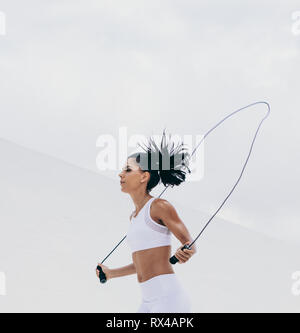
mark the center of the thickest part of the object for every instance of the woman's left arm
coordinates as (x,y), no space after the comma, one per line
(168,215)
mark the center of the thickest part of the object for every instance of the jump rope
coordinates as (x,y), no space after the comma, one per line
(173,260)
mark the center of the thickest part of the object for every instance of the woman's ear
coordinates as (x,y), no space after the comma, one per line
(145,177)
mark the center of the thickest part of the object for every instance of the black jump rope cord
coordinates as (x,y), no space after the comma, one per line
(173,259)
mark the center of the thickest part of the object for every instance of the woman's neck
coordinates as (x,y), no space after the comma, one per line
(140,201)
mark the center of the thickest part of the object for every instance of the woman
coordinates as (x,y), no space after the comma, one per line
(151,225)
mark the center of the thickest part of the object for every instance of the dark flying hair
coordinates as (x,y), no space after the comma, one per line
(165,164)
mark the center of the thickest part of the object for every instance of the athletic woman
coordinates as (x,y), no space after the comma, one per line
(151,226)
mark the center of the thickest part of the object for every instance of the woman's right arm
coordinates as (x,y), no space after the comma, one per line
(117,272)
(123,271)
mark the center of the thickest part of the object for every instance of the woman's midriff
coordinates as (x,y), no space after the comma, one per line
(152,262)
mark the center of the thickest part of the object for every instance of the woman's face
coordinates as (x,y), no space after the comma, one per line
(131,176)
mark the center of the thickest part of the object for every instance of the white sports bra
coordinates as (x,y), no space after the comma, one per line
(144,233)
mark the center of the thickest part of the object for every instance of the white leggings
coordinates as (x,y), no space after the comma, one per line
(164,293)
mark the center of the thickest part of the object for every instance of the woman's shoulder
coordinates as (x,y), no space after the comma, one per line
(159,205)
(159,201)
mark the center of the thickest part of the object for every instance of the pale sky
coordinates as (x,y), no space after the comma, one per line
(73,71)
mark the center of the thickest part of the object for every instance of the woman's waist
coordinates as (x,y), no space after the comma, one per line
(152,262)
(146,274)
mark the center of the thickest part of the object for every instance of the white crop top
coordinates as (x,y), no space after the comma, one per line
(144,233)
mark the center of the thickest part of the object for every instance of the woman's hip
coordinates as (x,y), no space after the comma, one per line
(164,293)
(160,285)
